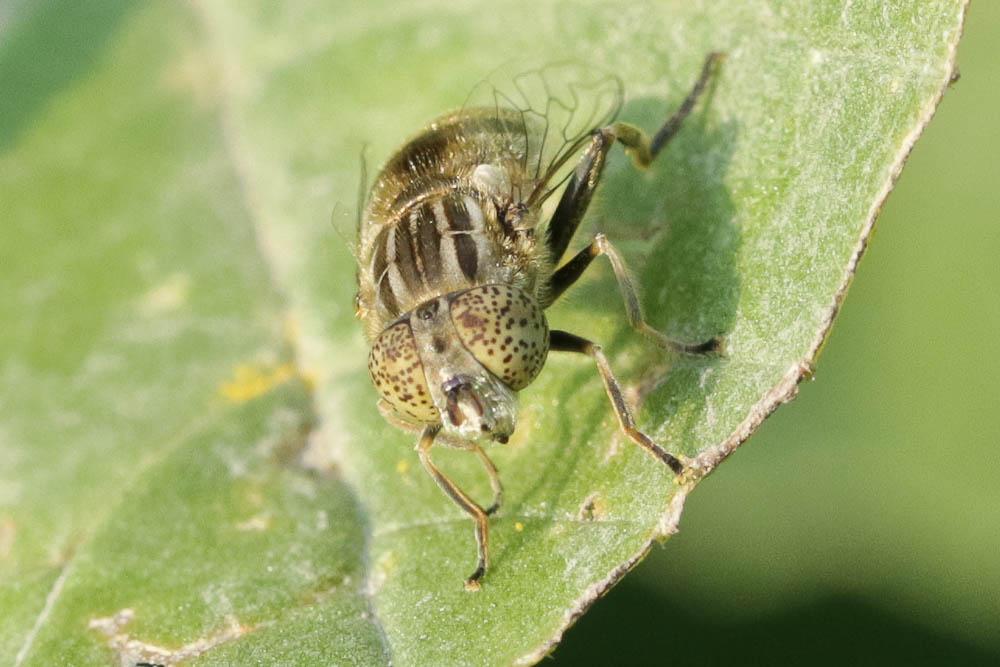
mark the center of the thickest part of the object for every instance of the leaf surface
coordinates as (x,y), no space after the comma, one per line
(192,463)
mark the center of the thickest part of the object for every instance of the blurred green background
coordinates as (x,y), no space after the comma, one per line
(861,524)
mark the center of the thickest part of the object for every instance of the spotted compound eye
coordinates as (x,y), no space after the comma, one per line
(398,374)
(505,330)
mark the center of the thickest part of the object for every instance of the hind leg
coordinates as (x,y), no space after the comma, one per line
(643,150)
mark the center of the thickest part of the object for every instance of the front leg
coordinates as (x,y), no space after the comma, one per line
(643,150)
(461,499)
(491,471)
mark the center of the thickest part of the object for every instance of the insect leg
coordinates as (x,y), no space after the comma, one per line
(462,500)
(574,268)
(494,475)
(643,150)
(669,129)
(579,191)
(566,342)
(491,471)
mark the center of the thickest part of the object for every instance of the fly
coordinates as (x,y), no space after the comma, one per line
(456,270)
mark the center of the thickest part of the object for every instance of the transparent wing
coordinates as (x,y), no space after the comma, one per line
(344,223)
(553,110)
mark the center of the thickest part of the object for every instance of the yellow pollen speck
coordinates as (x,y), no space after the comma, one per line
(251,381)
(402,466)
(518,526)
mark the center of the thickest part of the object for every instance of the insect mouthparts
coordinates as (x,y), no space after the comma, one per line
(478,406)
(463,403)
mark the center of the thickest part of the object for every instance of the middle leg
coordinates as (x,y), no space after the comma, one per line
(574,268)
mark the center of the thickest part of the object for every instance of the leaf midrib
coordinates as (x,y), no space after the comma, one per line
(241,164)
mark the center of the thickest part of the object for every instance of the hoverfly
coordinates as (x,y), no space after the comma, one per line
(456,269)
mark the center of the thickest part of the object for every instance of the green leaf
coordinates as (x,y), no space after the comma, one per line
(192,463)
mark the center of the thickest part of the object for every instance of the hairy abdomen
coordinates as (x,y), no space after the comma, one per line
(438,244)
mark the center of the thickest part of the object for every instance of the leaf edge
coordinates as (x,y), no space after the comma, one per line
(782,392)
